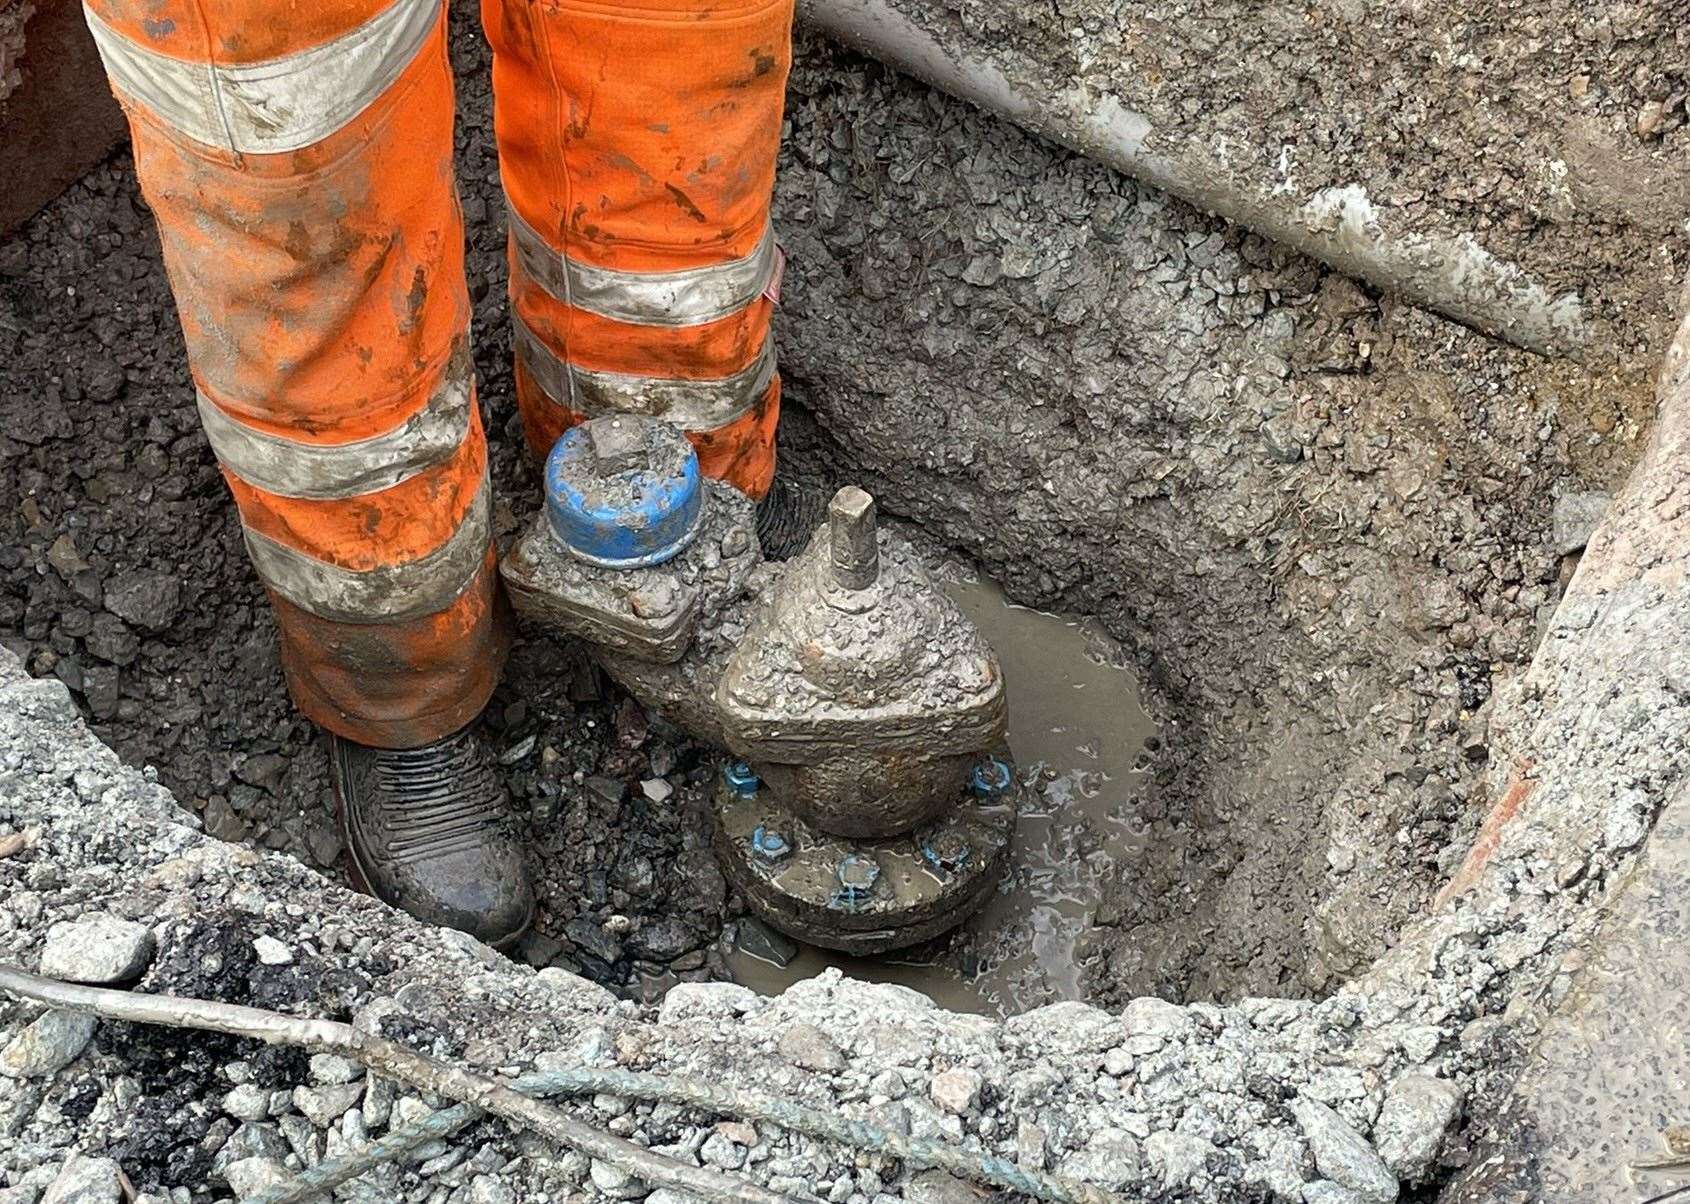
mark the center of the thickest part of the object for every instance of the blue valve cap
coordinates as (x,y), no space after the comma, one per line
(624,491)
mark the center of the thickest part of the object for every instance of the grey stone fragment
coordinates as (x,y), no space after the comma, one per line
(251,1140)
(1575,519)
(1418,1110)
(302,1138)
(662,939)
(956,1091)
(937,1187)
(1110,1158)
(85,1181)
(690,999)
(718,1151)
(485,1189)
(323,1106)
(1343,1155)
(250,1176)
(616,1184)
(379,1094)
(47,1045)
(1177,1157)
(247,1102)
(97,949)
(150,600)
(1324,1191)
(331,1069)
(760,941)
(272,952)
(807,1047)
(1031,1145)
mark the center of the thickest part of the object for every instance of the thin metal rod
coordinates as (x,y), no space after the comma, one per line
(396,1062)
(706,1097)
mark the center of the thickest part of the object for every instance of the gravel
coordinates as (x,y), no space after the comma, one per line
(97,949)
(85,1181)
(956,1091)
(1110,1158)
(1575,519)
(323,1106)
(1417,1114)
(252,1175)
(1343,1155)
(248,1102)
(47,1045)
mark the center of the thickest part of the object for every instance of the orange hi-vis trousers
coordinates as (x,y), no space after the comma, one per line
(297,155)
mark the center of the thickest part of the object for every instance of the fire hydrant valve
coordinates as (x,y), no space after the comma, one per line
(624,492)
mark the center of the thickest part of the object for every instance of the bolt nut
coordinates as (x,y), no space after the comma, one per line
(991,778)
(769,846)
(858,872)
(741,778)
(947,852)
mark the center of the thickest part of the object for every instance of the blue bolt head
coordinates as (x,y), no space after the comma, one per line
(741,778)
(857,872)
(769,846)
(991,778)
(947,853)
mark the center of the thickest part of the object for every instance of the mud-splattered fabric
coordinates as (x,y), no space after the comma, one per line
(637,147)
(298,159)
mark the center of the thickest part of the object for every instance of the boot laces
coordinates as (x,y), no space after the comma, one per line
(440,798)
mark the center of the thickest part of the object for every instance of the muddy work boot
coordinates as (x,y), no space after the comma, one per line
(787,516)
(429,830)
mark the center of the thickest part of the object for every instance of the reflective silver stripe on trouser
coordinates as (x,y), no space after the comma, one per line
(290,468)
(279,104)
(688,297)
(390,593)
(693,405)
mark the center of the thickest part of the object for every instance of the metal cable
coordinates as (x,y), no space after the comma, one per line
(707,1097)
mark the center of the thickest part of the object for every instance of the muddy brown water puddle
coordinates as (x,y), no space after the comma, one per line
(1076,720)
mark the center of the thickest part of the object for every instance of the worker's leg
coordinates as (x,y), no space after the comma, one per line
(637,145)
(298,159)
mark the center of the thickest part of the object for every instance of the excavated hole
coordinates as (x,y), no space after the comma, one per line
(1297,506)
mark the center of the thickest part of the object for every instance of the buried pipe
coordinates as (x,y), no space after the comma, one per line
(1451,274)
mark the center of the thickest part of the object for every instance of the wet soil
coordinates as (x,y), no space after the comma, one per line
(1316,520)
